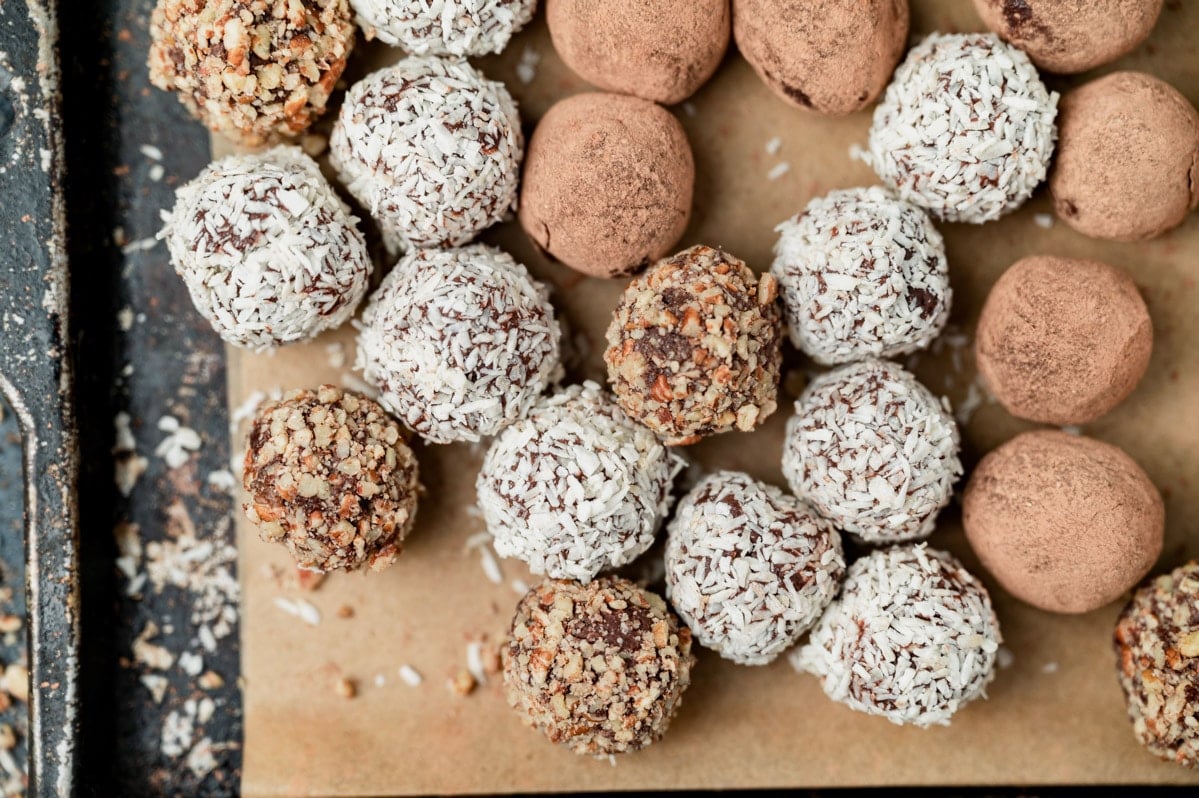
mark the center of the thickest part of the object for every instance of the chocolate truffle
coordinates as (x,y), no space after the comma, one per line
(575,487)
(432,148)
(873,451)
(694,346)
(444,27)
(830,56)
(1157,648)
(748,567)
(328,475)
(658,50)
(1061,340)
(1064,523)
(608,183)
(965,129)
(600,668)
(912,637)
(254,70)
(863,274)
(1127,165)
(1071,37)
(268,251)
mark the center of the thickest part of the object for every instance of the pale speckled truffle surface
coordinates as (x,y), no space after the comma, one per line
(444,27)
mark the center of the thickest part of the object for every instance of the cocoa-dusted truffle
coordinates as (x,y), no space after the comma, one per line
(965,129)
(269,252)
(1071,37)
(912,637)
(328,475)
(1063,522)
(748,567)
(254,70)
(658,50)
(608,183)
(444,27)
(1061,340)
(873,451)
(830,56)
(1127,166)
(599,668)
(461,342)
(575,487)
(694,346)
(432,148)
(863,274)
(1157,650)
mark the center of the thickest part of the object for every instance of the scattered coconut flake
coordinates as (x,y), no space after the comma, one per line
(1072,429)
(474,661)
(156,173)
(774,146)
(410,676)
(300,608)
(520,586)
(526,68)
(1043,220)
(139,245)
(151,152)
(1004,657)
(179,444)
(222,479)
(778,170)
(128,465)
(149,654)
(191,663)
(491,566)
(1049,667)
(380,680)
(336,351)
(156,684)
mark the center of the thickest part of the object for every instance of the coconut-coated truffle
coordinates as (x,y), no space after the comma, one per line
(1063,522)
(268,251)
(254,70)
(461,342)
(658,50)
(1063,340)
(431,148)
(694,346)
(966,128)
(748,567)
(1127,165)
(328,474)
(830,56)
(862,274)
(599,668)
(444,27)
(913,637)
(607,184)
(1071,37)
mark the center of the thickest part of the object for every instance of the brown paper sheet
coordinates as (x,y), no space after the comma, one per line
(1055,714)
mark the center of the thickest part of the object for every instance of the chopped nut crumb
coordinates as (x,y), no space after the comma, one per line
(462,683)
(8,738)
(346,688)
(210,680)
(345,611)
(16,682)
(308,579)
(10,623)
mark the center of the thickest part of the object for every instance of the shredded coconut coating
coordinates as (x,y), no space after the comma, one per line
(1157,647)
(863,274)
(461,342)
(873,451)
(269,252)
(328,475)
(748,567)
(432,148)
(694,346)
(575,487)
(912,637)
(966,128)
(444,27)
(599,668)
(254,70)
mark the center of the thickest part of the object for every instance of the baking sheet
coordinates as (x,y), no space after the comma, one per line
(1055,713)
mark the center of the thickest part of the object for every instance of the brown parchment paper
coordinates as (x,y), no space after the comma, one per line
(1055,714)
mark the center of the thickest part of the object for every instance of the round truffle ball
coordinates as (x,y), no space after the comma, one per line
(658,50)
(432,148)
(608,184)
(694,348)
(1061,340)
(873,451)
(600,668)
(268,251)
(1071,37)
(863,274)
(748,567)
(966,128)
(1127,165)
(254,71)
(328,475)
(830,56)
(1064,523)
(912,637)
(435,27)
(575,487)
(1157,649)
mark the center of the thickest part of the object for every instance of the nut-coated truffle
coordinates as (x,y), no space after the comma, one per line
(1063,522)
(444,27)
